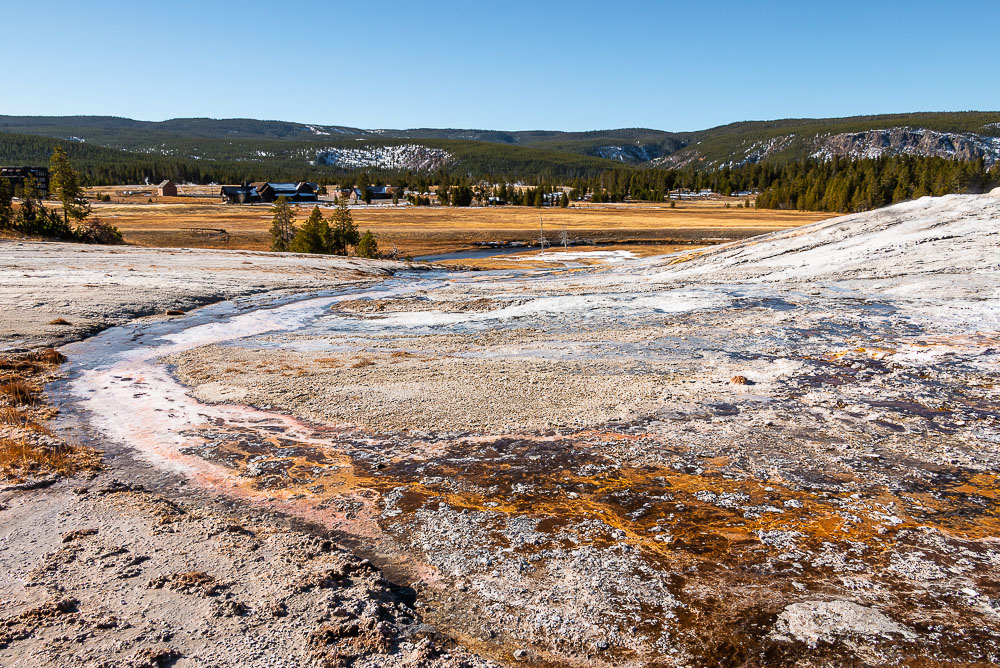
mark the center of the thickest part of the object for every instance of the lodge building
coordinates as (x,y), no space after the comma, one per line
(17,175)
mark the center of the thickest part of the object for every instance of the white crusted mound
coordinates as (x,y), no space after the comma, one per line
(940,236)
(814,621)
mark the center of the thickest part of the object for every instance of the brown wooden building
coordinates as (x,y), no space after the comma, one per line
(166,188)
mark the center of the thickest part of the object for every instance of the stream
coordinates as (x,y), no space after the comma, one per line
(115,392)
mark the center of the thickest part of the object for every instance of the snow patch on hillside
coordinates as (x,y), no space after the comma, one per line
(909,141)
(630,153)
(679,160)
(403,156)
(762,150)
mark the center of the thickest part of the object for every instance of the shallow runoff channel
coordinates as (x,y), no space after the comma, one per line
(117,394)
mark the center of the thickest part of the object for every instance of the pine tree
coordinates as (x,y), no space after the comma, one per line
(461,196)
(344,232)
(539,199)
(314,235)
(367,246)
(6,208)
(64,184)
(564,200)
(33,218)
(282,229)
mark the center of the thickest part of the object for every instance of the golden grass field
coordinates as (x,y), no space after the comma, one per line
(197,221)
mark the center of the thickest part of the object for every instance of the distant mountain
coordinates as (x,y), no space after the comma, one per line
(956,135)
(173,137)
(261,148)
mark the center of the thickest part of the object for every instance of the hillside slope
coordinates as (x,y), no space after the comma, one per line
(958,135)
(265,149)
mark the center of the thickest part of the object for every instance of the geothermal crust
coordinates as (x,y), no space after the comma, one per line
(781,451)
(779,444)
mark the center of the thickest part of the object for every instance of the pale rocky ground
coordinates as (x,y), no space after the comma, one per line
(125,567)
(565,466)
(102,572)
(93,287)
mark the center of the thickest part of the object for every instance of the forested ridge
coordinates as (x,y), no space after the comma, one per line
(259,160)
(719,145)
(481,151)
(195,151)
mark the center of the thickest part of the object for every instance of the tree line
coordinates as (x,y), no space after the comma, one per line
(839,185)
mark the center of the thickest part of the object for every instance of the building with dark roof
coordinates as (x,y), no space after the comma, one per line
(17,175)
(294,192)
(381,192)
(245,194)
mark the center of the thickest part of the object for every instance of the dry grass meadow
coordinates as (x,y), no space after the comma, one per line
(203,222)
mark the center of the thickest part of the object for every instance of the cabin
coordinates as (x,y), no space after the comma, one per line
(244,194)
(350,195)
(166,188)
(381,192)
(294,192)
(17,175)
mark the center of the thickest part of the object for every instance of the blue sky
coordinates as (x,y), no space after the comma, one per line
(513,65)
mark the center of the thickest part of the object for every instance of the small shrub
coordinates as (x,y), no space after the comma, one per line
(60,321)
(21,457)
(18,392)
(367,246)
(50,356)
(96,231)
